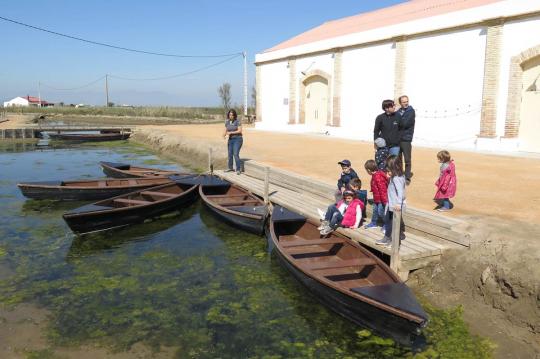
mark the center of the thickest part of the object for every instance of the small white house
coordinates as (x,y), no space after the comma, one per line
(471,69)
(26,102)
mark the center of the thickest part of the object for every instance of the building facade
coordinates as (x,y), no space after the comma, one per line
(27,101)
(471,69)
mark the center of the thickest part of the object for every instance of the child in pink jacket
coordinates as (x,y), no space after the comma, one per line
(447,182)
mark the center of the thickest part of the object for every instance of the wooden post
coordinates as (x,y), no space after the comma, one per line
(266,184)
(23,133)
(3,134)
(396,231)
(210,162)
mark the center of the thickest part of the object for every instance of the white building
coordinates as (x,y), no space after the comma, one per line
(471,69)
(26,101)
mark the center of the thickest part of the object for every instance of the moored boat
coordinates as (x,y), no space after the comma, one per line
(87,190)
(236,206)
(93,137)
(347,277)
(124,170)
(129,208)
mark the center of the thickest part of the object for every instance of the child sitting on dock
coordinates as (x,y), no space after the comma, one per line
(346,213)
(355,185)
(381,153)
(379,188)
(396,199)
(447,182)
(347,174)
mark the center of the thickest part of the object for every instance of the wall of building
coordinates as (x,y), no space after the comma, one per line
(275,94)
(17,101)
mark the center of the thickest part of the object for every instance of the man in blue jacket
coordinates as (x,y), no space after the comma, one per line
(406,126)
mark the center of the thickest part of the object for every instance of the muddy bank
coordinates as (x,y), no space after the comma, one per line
(124,120)
(497,281)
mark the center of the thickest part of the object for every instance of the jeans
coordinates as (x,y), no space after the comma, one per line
(378,213)
(333,216)
(406,151)
(388,224)
(234,145)
(393,151)
(445,203)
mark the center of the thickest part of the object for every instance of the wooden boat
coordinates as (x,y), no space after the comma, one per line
(90,136)
(129,208)
(87,190)
(237,206)
(347,277)
(124,170)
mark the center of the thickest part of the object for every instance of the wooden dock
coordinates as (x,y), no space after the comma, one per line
(428,235)
(35,131)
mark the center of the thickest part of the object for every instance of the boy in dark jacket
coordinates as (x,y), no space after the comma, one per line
(387,127)
(347,174)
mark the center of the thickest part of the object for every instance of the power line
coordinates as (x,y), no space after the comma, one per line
(73,88)
(177,75)
(113,46)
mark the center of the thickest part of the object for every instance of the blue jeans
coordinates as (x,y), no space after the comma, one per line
(378,213)
(234,145)
(393,151)
(388,225)
(333,216)
(445,203)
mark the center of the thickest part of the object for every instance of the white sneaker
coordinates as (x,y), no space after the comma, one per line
(321,213)
(326,231)
(384,241)
(323,225)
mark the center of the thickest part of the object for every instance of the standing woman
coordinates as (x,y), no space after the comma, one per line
(233,129)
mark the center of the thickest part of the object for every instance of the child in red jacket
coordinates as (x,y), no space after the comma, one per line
(447,182)
(379,187)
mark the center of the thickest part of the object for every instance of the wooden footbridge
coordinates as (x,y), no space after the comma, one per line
(428,235)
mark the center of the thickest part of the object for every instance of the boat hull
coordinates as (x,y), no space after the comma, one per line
(104,219)
(90,137)
(253,225)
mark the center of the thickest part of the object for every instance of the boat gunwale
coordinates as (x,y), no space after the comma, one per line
(64,187)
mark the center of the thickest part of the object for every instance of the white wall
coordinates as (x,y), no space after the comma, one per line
(367,80)
(17,101)
(518,36)
(444,82)
(275,88)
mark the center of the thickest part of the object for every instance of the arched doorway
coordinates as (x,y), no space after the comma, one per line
(529,126)
(316,103)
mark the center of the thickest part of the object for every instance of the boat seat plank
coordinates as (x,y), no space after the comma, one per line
(102,183)
(130,201)
(236,203)
(226,195)
(132,182)
(161,194)
(311,242)
(338,264)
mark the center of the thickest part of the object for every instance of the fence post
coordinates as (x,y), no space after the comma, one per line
(266,185)
(396,231)
(210,162)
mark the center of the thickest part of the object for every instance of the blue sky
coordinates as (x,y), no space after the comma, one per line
(180,27)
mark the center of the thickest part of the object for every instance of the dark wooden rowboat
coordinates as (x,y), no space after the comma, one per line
(87,190)
(90,136)
(129,208)
(347,278)
(124,170)
(237,206)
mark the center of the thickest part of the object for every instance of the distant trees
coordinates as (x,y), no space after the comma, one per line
(224,92)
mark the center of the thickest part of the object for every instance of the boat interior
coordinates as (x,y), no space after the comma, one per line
(125,182)
(231,196)
(332,258)
(151,195)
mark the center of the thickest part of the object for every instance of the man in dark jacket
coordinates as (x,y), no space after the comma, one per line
(406,126)
(387,127)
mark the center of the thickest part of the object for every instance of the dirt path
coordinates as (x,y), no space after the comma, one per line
(488,185)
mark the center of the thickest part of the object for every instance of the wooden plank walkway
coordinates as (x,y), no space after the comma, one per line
(426,233)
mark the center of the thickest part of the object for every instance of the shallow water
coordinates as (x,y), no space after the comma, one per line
(186,281)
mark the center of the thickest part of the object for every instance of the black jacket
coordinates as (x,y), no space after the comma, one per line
(406,124)
(345,178)
(387,127)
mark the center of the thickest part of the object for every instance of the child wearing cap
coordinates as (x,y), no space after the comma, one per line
(381,153)
(347,174)
(346,213)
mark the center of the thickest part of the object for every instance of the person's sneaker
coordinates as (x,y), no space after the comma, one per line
(238,172)
(408,181)
(323,225)
(443,209)
(437,208)
(229,170)
(326,231)
(370,225)
(384,241)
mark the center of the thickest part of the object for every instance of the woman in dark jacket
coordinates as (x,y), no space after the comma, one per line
(233,129)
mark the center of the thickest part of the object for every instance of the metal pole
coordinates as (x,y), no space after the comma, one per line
(107,90)
(396,232)
(245,84)
(39,93)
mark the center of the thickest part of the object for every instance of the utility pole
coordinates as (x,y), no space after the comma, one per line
(107,90)
(245,85)
(39,93)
